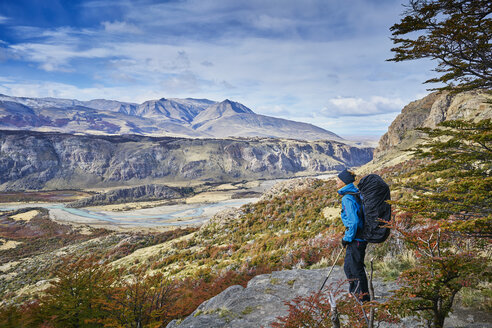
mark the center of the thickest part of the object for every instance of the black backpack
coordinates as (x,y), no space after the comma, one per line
(374,193)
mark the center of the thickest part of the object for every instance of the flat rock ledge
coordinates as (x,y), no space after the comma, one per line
(263,300)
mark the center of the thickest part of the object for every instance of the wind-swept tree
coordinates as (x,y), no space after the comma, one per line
(456,33)
(446,221)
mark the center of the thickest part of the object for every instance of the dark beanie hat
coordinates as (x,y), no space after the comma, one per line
(346,176)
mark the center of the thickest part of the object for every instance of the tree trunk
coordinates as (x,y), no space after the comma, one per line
(438,321)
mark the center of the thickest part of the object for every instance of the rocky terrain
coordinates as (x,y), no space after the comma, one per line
(263,300)
(162,117)
(429,112)
(35,160)
(233,239)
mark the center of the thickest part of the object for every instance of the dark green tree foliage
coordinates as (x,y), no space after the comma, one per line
(456,33)
(457,184)
(446,219)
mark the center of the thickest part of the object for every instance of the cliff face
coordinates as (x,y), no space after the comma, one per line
(35,160)
(430,111)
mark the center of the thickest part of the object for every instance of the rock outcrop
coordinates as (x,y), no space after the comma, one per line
(134,194)
(429,112)
(263,300)
(35,160)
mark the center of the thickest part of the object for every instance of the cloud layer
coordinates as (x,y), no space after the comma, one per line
(317,61)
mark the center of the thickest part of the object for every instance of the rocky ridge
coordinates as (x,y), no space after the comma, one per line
(34,160)
(429,112)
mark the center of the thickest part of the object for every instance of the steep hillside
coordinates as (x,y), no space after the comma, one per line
(34,160)
(182,111)
(221,110)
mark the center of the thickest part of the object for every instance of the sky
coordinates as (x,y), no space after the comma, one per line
(316,61)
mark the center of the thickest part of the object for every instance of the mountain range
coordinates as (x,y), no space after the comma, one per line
(196,118)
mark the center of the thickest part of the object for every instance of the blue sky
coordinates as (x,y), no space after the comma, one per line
(316,61)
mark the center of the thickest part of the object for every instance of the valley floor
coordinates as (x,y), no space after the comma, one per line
(159,215)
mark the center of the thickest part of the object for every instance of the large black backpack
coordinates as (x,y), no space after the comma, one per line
(374,193)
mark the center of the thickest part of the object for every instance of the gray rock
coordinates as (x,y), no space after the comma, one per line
(263,300)
(430,111)
(126,195)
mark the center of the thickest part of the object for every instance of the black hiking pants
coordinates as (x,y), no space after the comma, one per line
(354,269)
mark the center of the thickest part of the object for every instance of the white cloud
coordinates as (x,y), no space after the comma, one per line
(121,27)
(275,110)
(186,82)
(375,125)
(315,61)
(3,19)
(15,87)
(227,85)
(56,57)
(267,22)
(4,79)
(355,106)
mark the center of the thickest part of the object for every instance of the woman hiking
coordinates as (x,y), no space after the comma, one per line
(355,246)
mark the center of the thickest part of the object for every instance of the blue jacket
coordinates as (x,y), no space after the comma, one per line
(350,207)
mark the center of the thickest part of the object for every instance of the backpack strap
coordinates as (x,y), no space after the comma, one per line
(356,196)
(360,212)
(358,199)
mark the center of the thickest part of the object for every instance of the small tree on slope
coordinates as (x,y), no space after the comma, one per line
(446,221)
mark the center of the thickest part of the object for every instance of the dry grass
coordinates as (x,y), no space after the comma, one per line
(210,197)
(143,254)
(130,206)
(8,244)
(331,213)
(9,265)
(26,216)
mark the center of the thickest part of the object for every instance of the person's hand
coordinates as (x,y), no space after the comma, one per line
(345,243)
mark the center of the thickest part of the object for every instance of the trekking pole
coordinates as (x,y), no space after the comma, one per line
(333,266)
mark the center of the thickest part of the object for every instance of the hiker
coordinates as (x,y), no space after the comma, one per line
(354,244)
